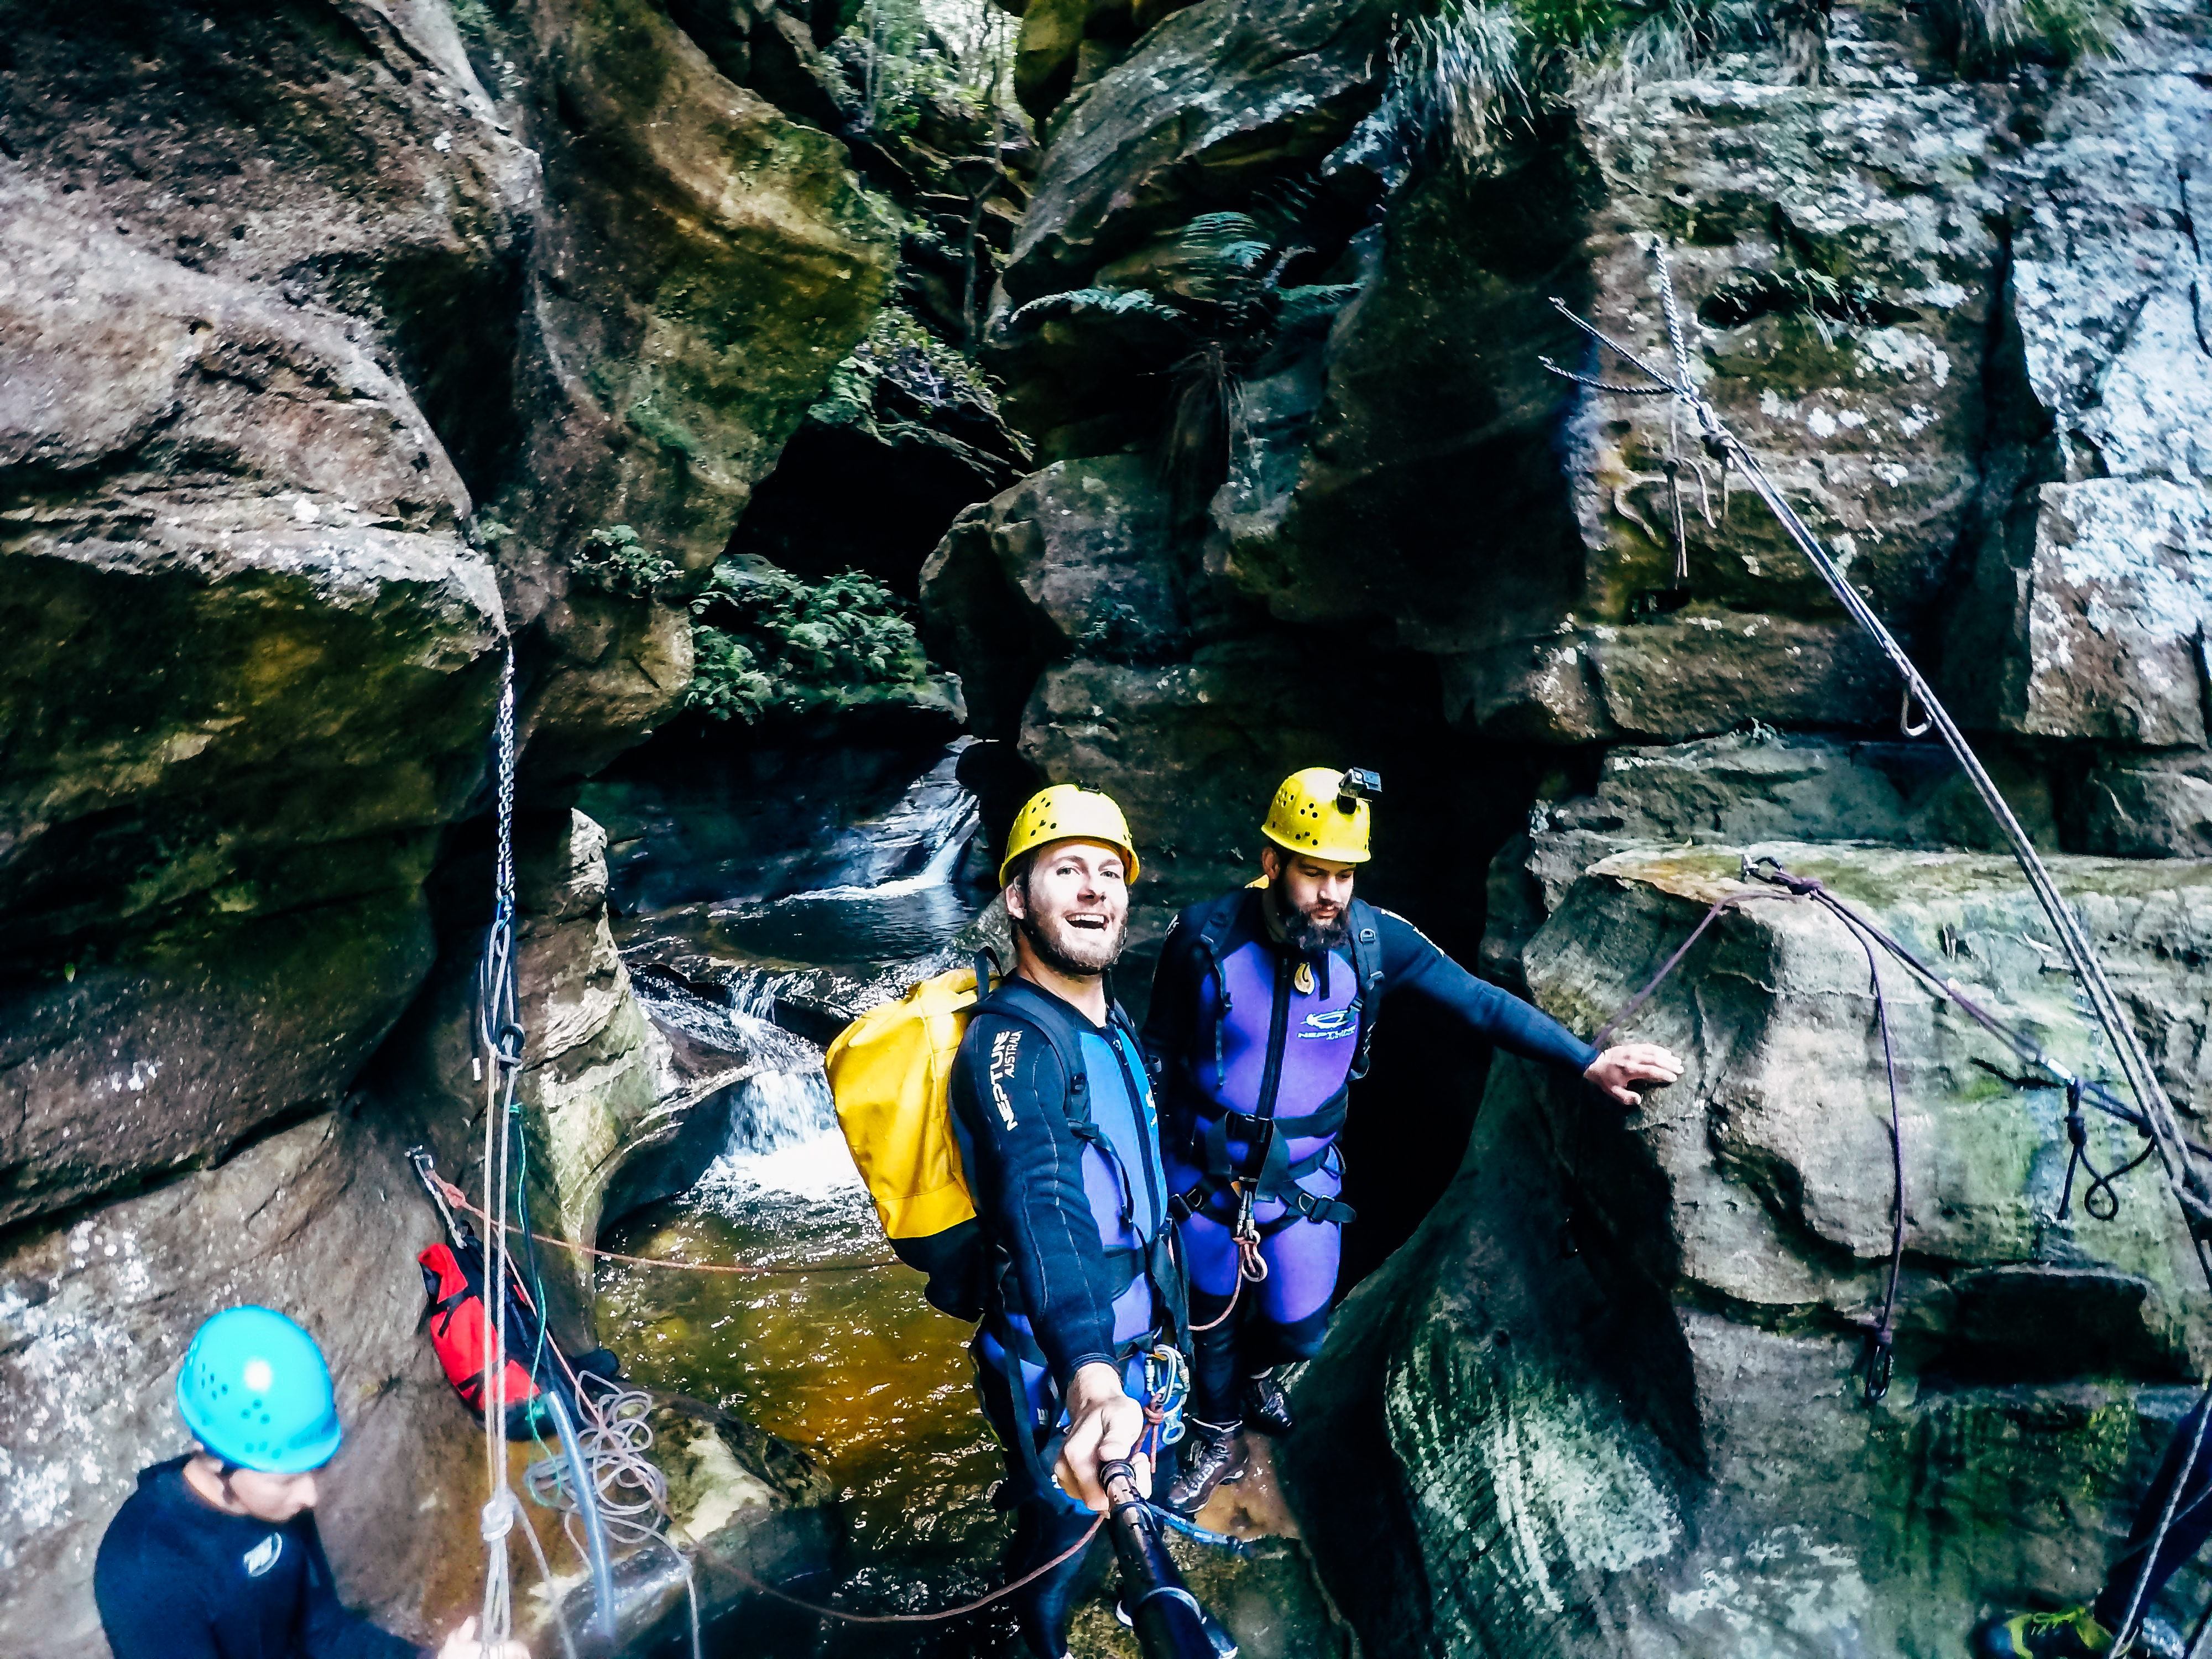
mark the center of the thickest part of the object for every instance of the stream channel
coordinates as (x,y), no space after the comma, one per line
(852,1363)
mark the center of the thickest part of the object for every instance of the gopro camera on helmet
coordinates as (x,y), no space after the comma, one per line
(1359,784)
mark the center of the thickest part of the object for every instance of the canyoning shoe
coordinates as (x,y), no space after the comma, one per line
(1267,1407)
(1212,1455)
(2072,1634)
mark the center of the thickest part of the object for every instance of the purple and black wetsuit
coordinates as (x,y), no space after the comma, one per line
(1258,1045)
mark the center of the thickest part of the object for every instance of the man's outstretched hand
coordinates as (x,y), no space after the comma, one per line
(1103,1424)
(463,1645)
(1627,1063)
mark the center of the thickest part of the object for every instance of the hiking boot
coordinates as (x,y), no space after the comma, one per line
(2072,1634)
(1267,1407)
(1212,1455)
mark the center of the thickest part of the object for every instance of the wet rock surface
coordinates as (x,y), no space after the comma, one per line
(327,334)
(1619,1370)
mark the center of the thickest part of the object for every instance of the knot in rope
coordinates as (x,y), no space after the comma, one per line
(1769,869)
(499,1516)
(2100,1198)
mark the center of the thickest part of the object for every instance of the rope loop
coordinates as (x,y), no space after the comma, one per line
(498,1516)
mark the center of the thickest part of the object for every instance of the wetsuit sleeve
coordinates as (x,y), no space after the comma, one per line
(1411,962)
(331,1632)
(1171,1022)
(1026,1176)
(149,1606)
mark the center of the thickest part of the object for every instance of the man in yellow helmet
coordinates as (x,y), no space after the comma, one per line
(1263,1006)
(1054,1110)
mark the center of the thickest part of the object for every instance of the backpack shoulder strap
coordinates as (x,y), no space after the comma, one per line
(1016,999)
(1211,920)
(1366,932)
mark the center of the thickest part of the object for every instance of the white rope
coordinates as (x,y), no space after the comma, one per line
(2190,1190)
(630,1490)
(495,1624)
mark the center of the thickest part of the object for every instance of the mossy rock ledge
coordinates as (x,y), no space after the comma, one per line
(1615,1382)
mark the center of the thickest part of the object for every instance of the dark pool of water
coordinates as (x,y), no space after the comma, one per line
(848,925)
(855,1365)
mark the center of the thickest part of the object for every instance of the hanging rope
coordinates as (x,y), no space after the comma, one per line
(503,1037)
(2187,1182)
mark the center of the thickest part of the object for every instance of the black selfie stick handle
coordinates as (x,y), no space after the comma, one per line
(1170,1623)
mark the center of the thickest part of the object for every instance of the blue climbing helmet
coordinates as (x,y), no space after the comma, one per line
(256,1392)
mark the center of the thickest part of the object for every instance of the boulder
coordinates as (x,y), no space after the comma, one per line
(253,666)
(2100,633)
(1759,784)
(1216,98)
(320,1220)
(1616,1377)
(1081,557)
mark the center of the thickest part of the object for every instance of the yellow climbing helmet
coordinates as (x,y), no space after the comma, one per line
(1324,814)
(1069,811)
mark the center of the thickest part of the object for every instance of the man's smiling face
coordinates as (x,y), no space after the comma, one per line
(1073,905)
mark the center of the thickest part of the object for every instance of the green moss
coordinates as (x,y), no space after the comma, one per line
(663,428)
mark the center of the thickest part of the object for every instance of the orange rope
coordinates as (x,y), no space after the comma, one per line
(1251,1268)
(459,1199)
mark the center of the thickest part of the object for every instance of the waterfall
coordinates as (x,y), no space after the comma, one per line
(776,1110)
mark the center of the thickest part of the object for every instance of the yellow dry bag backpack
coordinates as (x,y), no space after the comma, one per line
(891,1073)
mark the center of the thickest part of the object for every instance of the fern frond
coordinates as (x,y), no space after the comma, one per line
(1102,302)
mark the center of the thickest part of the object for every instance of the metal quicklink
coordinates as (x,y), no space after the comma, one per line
(2188,1183)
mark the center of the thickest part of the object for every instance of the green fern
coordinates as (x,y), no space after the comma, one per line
(765,642)
(1103,301)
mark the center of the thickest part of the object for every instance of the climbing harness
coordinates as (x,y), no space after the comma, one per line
(2188,1183)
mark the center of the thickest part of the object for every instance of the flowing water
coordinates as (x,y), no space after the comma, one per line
(835,1352)
(850,1361)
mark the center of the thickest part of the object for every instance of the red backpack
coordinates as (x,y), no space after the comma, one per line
(460,1320)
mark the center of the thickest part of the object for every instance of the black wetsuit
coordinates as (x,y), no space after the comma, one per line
(2187,1530)
(1061,1143)
(177,1578)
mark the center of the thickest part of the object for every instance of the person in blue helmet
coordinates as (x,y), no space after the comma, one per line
(1053,1110)
(1263,1005)
(215,1556)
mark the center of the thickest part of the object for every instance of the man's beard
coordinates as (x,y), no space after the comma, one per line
(1312,938)
(1078,952)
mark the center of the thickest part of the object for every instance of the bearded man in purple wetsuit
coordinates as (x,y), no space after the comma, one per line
(1262,1010)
